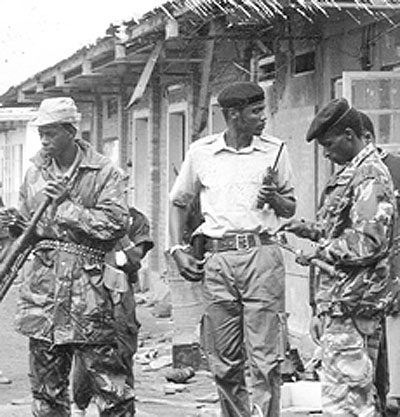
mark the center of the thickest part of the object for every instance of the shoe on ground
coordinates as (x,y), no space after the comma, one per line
(179,375)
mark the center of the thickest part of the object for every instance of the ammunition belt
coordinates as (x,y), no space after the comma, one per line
(71,247)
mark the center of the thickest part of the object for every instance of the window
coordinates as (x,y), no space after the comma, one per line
(304,63)
(377,93)
(266,68)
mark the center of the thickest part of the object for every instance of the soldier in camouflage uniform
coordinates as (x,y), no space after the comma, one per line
(353,232)
(65,305)
(129,252)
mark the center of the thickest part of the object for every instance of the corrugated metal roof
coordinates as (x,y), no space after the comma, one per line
(246,10)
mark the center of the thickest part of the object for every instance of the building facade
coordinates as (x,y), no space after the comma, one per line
(148,89)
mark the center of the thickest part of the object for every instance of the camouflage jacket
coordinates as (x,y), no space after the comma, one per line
(355,230)
(139,229)
(138,235)
(64,295)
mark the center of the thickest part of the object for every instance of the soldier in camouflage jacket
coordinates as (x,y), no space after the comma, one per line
(65,305)
(353,231)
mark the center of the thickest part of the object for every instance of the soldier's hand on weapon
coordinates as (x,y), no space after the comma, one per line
(267,194)
(304,259)
(300,228)
(56,189)
(284,206)
(189,267)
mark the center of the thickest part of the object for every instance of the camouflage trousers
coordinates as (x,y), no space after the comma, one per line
(348,370)
(127,328)
(50,367)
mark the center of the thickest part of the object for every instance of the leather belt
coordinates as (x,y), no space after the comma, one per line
(71,247)
(240,241)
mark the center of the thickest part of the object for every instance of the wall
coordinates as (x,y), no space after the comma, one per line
(19,141)
(11,163)
(291,108)
(292,103)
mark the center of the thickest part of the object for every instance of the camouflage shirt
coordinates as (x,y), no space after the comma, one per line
(64,297)
(354,228)
(138,235)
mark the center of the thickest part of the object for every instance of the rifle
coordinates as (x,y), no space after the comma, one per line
(22,246)
(19,251)
(324,266)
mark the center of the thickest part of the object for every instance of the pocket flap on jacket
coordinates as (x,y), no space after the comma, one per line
(114,279)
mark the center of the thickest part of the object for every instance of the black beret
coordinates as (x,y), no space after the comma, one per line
(240,94)
(337,111)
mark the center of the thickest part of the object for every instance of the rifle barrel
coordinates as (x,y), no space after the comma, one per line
(17,248)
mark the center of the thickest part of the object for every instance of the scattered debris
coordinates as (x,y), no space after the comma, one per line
(208,399)
(145,356)
(292,367)
(4,379)
(160,362)
(171,388)
(311,368)
(179,375)
(178,403)
(22,401)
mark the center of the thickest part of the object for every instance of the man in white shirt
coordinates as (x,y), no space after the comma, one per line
(244,182)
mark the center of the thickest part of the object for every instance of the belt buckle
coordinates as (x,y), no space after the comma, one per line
(242,242)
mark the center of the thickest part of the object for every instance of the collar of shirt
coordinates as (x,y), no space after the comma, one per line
(359,158)
(347,172)
(257,144)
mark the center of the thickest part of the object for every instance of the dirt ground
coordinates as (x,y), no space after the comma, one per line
(13,352)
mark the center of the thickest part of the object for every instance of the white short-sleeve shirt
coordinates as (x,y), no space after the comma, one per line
(228,181)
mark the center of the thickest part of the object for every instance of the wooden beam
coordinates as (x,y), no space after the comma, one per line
(120,51)
(201,114)
(86,67)
(59,79)
(145,76)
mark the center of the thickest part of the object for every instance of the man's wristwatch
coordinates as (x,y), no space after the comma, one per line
(174,248)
